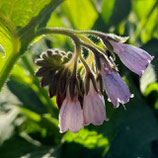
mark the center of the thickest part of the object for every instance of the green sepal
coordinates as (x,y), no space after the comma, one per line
(54,83)
(107,44)
(72,86)
(64,81)
(97,61)
(89,77)
(45,80)
(41,71)
(115,38)
(100,81)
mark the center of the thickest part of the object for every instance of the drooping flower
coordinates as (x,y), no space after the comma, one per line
(116,89)
(136,59)
(94,107)
(71,114)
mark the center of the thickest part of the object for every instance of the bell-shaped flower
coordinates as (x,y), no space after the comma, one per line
(94,107)
(116,89)
(136,59)
(71,114)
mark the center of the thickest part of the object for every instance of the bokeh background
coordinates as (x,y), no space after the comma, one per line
(29,118)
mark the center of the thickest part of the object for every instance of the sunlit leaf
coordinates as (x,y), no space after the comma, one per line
(26,148)
(76,10)
(146,18)
(138,8)
(20,12)
(89,139)
(26,95)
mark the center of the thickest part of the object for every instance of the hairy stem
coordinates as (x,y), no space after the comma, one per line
(69,33)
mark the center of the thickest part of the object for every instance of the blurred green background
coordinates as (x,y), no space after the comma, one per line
(29,118)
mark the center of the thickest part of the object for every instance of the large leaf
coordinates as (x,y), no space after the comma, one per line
(19,21)
(20,12)
(146,18)
(89,139)
(138,8)
(26,95)
(81,13)
(23,147)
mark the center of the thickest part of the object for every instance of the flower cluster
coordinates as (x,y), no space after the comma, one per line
(80,83)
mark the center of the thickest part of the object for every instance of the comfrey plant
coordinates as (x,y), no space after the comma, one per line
(80,82)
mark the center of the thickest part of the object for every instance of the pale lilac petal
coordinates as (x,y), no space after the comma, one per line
(136,59)
(71,115)
(64,117)
(115,87)
(94,108)
(76,117)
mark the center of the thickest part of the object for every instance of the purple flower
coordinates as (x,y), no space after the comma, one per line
(71,115)
(115,87)
(94,107)
(134,58)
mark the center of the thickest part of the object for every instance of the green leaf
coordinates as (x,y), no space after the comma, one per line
(140,11)
(81,13)
(20,12)
(6,34)
(89,139)
(150,27)
(15,14)
(24,147)
(146,18)
(10,44)
(28,32)
(26,95)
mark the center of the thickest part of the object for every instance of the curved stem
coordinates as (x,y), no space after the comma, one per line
(69,33)
(85,64)
(62,31)
(55,30)
(90,32)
